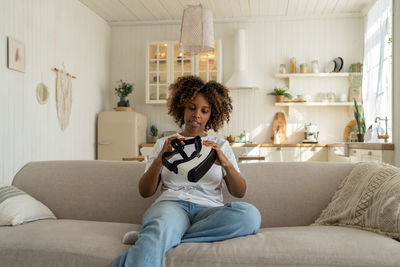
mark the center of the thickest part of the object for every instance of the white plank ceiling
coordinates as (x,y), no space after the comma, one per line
(142,11)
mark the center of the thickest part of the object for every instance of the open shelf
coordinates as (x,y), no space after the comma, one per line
(304,75)
(334,104)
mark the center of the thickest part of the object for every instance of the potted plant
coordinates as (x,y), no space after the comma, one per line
(280,94)
(359,116)
(154,133)
(122,91)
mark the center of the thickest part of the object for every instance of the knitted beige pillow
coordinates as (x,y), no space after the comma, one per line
(369,199)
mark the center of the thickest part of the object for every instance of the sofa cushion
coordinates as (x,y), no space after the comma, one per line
(369,199)
(294,246)
(17,207)
(63,243)
(87,243)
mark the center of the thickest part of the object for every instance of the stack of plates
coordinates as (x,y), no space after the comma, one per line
(335,65)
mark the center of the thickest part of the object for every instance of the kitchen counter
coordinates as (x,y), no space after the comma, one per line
(355,145)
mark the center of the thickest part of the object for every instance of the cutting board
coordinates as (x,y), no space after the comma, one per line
(279,127)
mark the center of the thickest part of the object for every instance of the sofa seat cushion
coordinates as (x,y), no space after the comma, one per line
(63,243)
(300,246)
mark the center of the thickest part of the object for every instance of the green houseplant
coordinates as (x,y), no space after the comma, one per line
(154,132)
(280,93)
(122,90)
(359,116)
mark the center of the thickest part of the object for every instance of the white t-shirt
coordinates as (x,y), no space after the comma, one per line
(207,191)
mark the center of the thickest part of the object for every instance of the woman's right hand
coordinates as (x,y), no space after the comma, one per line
(167,147)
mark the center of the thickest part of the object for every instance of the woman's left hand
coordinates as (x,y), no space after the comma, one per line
(221,158)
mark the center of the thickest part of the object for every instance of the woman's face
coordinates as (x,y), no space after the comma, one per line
(197,113)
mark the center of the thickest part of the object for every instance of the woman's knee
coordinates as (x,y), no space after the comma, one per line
(165,216)
(249,216)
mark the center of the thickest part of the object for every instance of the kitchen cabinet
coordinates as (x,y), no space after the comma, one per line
(319,89)
(281,154)
(165,63)
(314,154)
(337,154)
(365,155)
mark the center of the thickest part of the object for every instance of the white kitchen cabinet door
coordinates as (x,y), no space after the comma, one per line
(281,154)
(364,155)
(157,72)
(337,154)
(165,63)
(314,154)
(370,155)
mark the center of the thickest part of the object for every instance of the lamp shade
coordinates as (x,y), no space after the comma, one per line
(197,30)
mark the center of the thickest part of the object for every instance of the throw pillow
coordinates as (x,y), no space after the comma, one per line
(17,207)
(368,198)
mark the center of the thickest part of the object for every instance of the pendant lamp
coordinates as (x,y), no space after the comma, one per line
(197,30)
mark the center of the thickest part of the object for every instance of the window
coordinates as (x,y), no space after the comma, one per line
(377,70)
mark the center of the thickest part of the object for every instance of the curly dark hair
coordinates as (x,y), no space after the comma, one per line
(186,88)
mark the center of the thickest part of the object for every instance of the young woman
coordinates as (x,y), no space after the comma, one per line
(186,211)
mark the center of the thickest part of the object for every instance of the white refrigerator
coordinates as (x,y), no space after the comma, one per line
(119,134)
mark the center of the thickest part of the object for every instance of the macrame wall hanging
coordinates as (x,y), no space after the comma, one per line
(63,96)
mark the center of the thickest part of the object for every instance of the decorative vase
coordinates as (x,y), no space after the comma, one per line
(360,138)
(279,98)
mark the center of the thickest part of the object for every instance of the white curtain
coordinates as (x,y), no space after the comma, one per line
(377,69)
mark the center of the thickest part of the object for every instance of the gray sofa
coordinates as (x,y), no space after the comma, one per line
(97,202)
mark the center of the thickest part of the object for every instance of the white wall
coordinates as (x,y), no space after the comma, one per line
(269,44)
(54,32)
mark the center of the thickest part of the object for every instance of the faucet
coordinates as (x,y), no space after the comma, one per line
(386,136)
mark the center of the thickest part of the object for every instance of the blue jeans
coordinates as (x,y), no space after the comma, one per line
(170,222)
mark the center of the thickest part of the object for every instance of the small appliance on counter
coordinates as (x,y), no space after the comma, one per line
(310,133)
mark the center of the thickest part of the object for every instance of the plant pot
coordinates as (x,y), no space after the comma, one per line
(122,102)
(154,139)
(279,98)
(360,138)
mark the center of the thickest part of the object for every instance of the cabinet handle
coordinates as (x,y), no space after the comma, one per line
(103,143)
(313,149)
(278,149)
(354,151)
(369,153)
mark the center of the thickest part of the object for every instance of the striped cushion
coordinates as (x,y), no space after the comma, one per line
(17,207)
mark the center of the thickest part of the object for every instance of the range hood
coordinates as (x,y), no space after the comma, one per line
(240,78)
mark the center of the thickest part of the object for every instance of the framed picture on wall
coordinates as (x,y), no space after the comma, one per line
(15,55)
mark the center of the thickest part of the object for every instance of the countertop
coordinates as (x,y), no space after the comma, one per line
(354,145)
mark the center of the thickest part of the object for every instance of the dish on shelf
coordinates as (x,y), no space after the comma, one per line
(338,64)
(330,67)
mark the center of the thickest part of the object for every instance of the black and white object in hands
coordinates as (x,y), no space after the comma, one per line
(194,166)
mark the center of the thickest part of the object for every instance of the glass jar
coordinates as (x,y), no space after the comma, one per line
(315,67)
(303,68)
(282,68)
(293,65)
